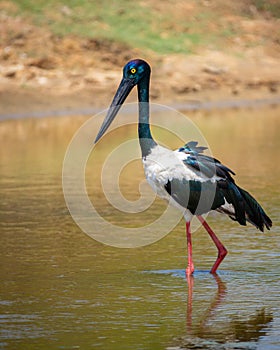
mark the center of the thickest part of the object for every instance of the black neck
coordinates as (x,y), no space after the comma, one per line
(144,132)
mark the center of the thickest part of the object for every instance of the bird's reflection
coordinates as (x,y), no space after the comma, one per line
(233,328)
(221,292)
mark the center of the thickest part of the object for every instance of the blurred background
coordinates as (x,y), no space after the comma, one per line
(218,62)
(72,51)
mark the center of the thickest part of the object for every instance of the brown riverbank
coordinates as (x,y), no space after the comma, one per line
(40,71)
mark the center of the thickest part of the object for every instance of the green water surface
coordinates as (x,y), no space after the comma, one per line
(61,289)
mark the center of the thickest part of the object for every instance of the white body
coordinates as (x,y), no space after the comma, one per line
(163,165)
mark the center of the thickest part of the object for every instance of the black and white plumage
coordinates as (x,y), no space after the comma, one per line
(193,182)
(187,174)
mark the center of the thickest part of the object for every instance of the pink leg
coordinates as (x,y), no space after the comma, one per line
(190,267)
(222,252)
(190,280)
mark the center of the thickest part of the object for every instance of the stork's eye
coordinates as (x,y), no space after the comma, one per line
(133,70)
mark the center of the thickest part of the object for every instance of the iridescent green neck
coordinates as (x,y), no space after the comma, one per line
(144,132)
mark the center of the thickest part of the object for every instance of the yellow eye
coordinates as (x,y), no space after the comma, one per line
(133,70)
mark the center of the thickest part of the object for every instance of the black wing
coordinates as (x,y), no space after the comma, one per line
(206,165)
(201,197)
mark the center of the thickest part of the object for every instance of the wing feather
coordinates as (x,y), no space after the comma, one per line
(207,165)
(218,191)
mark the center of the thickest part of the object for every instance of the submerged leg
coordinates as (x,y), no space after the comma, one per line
(190,280)
(222,252)
(190,267)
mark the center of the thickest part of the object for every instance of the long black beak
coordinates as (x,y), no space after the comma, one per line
(123,91)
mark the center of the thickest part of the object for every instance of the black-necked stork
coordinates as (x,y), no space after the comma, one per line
(193,182)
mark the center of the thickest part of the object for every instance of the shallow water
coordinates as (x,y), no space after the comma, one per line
(60,289)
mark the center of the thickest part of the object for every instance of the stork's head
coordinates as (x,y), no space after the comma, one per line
(135,70)
(133,73)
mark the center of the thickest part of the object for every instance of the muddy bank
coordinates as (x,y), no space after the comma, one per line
(210,76)
(41,72)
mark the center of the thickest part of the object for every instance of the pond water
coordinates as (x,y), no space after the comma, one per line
(61,289)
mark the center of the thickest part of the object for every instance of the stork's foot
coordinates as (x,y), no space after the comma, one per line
(190,269)
(221,255)
(222,252)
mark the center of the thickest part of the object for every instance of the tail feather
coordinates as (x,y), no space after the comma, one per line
(233,196)
(254,212)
